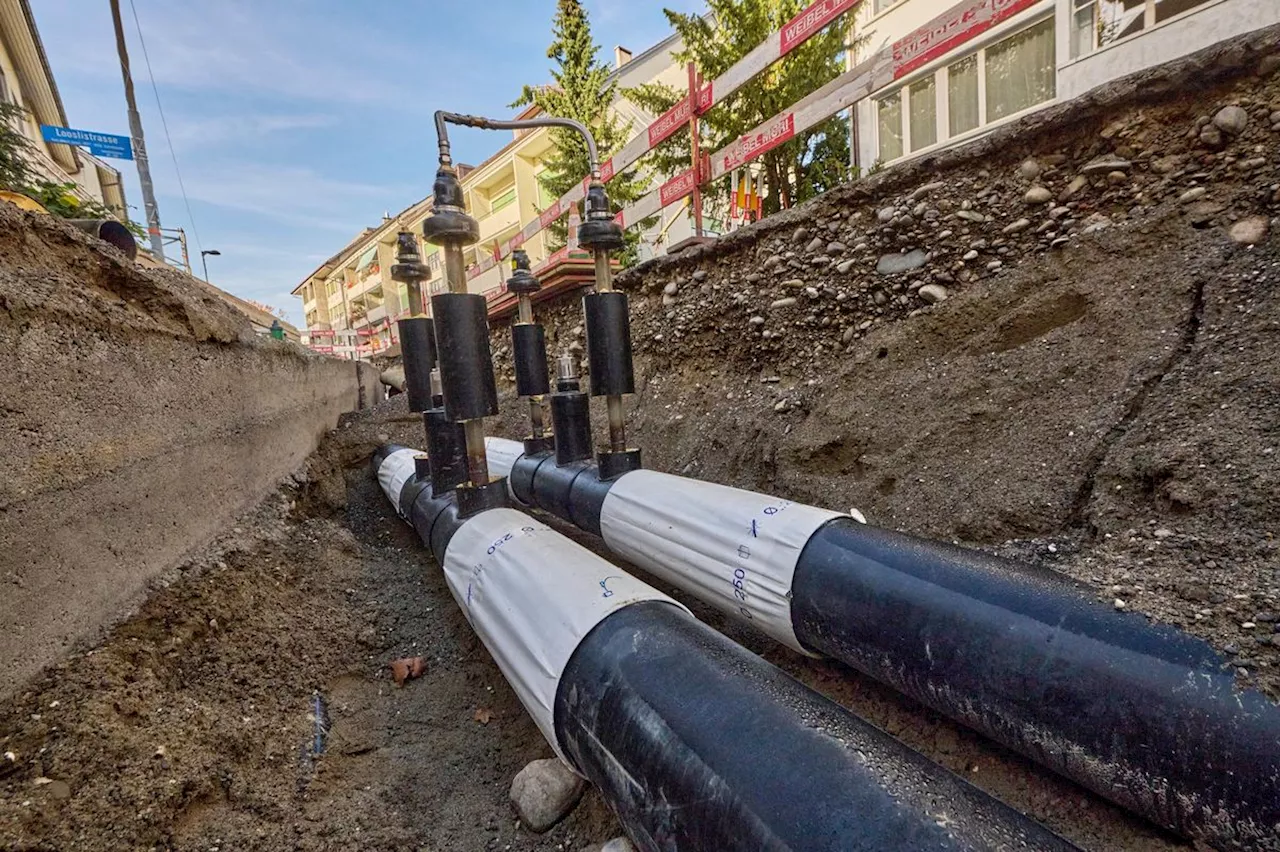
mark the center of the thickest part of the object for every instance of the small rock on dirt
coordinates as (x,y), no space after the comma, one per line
(1250,231)
(617,844)
(891,264)
(933,293)
(1038,195)
(544,792)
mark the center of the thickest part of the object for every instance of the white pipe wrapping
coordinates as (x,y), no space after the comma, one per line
(395,470)
(734,549)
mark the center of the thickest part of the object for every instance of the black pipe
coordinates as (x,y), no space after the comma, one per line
(109,231)
(1144,715)
(608,326)
(462,345)
(701,746)
(529,352)
(446,450)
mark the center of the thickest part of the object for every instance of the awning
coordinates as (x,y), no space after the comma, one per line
(367,259)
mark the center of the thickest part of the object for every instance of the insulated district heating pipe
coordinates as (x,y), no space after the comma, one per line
(1142,714)
(696,743)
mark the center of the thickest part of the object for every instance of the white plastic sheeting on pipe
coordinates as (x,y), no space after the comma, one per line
(532,595)
(734,549)
(394,472)
(502,455)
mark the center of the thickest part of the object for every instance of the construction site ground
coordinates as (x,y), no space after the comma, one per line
(1060,346)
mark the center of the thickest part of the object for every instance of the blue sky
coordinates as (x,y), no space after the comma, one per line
(298,122)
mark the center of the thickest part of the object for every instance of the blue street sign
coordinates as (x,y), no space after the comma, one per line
(99,144)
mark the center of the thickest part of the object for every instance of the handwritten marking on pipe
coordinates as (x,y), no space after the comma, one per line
(604,584)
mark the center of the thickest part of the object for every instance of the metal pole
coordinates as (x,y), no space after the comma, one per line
(139,144)
(204,262)
(694,89)
(186,258)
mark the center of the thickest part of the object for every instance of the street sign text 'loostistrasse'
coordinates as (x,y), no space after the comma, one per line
(99,144)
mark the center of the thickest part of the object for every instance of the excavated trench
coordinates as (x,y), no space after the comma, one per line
(1105,407)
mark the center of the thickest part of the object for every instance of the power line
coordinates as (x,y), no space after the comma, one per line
(195,232)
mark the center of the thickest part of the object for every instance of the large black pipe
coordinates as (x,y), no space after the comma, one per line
(1143,714)
(701,746)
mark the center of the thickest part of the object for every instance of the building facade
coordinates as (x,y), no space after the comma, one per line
(976,65)
(27,81)
(350,303)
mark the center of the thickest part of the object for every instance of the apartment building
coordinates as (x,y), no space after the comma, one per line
(27,81)
(966,68)
(350,303)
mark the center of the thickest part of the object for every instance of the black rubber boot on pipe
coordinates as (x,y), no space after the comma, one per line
(1145,715)
(571,424)
(529,353)
(572,492)
(609,343)
(462,350)
(418,351)
(701,746)
(447,450)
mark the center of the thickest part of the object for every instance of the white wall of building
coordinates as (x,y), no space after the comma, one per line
(1197,29)
(1155,44)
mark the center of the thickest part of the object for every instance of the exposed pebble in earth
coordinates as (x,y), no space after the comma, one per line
(933,293)
(814,245)
(844,266)
(971,216)
(1211,137)
(836,247)
(1104,164)
(1193,194)
(885,215)
(1030,168)
(971,254)
(782,303)
(801,234)
(1015,227)
(544,792)
(671,289)
(891,264)
(756,320)
(1120,604)
(700,275)
(1231,120)
(1250,231)
(1038,195)
(1078,183)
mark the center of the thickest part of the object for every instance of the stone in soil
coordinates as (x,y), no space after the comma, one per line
(544,792)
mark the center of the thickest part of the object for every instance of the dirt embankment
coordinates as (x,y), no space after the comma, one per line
(138,415)
(1064,338)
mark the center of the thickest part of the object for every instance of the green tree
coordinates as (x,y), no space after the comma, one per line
(816,159)
(15,174)
(581,90)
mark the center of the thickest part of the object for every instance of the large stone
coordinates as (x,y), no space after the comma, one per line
(1211,137)
(1250,231)
(844,266)
(782,303)
(892,264)
(1030,168)
(971,216)
(393,376)
(1231,120)
(1017,227)
(544,792)
(671,289)
(1193,194)
(1078,183)
(1038,195)
(933,293)
(815,245)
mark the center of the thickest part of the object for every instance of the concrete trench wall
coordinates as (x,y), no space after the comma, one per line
(138,416)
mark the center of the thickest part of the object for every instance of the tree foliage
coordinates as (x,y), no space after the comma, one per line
(816,159)
(581,90)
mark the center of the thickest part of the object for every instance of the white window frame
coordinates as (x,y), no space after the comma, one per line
(942,89)
(1148,24)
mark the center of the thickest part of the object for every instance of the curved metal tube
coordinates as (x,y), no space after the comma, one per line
(442,118)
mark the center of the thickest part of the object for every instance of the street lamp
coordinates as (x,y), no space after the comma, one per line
(205,263)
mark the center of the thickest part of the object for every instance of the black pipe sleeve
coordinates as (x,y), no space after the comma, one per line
(418,352)
(529,351)
(572,492)
(698,744)
(466,367)
(446,449)
(571,424)
(1145,715)
(609,343)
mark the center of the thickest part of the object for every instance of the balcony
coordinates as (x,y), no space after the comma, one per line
(499,221)
(375,315)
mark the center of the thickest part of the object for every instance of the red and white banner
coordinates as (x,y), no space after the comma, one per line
(800,28)
(950,29)
(766,137)
(678,187)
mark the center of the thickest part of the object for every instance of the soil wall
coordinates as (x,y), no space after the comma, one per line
(138,415)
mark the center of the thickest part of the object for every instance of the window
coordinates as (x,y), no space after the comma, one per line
(962,96)
(1098,23)
(1020,71)
(993,83)
(881,5)
(889,111)
(923,102)
(502,199)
